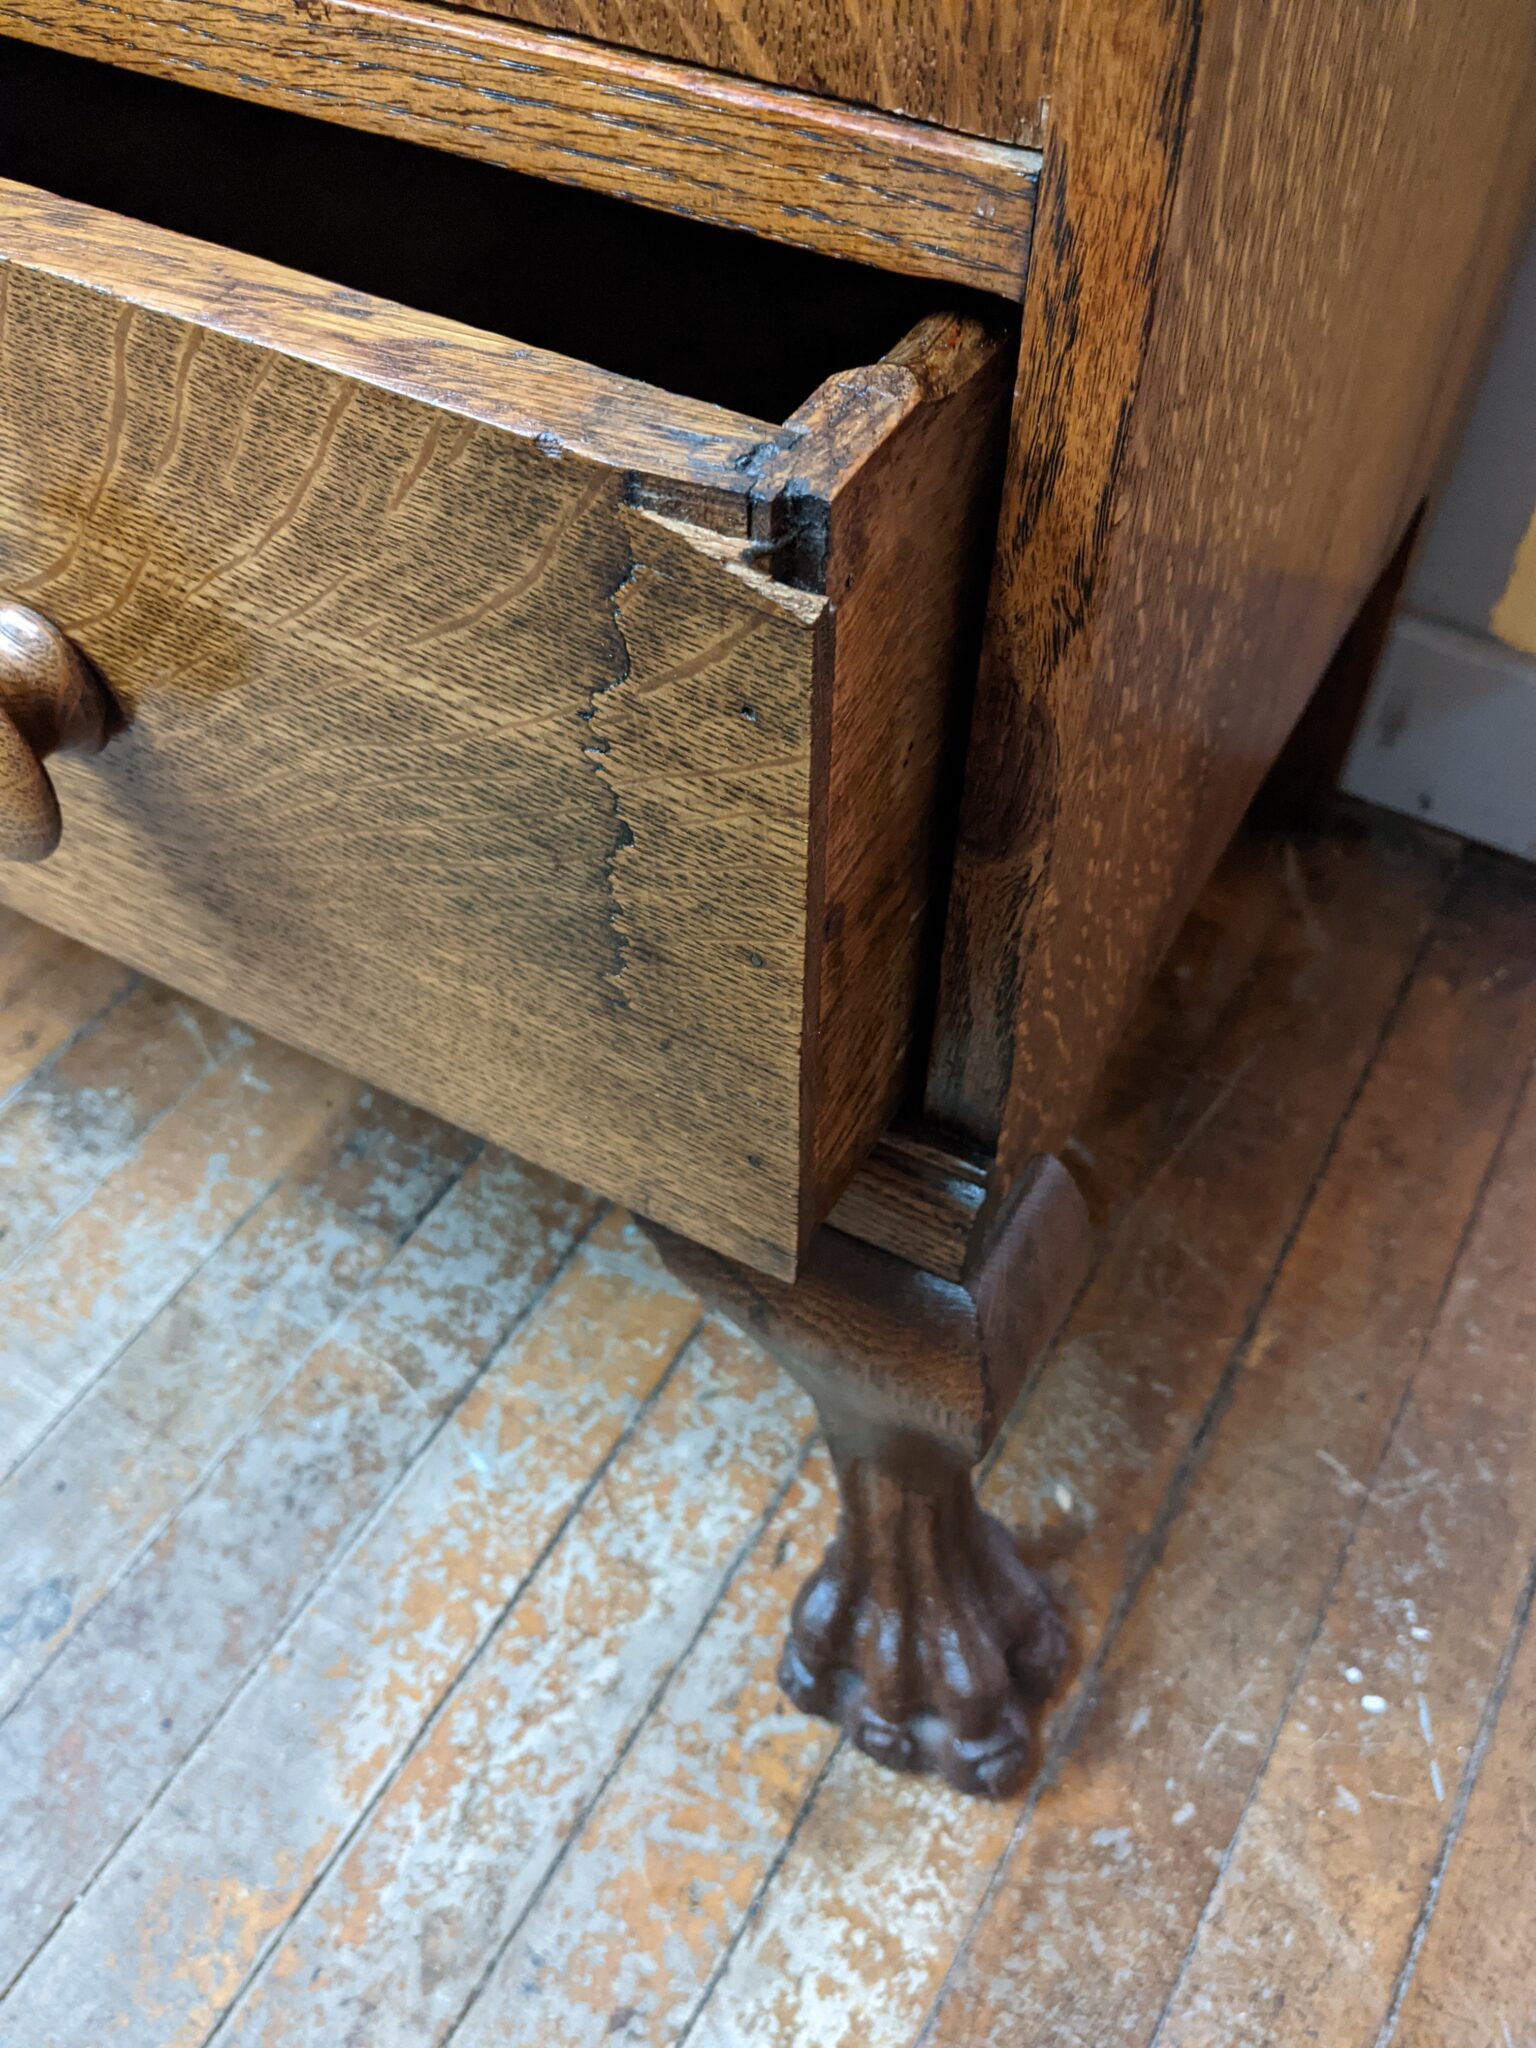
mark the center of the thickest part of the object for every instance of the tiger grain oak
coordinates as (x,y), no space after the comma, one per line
(472,739)
(979,65)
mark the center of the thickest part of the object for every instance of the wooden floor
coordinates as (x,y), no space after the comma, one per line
(392,1564)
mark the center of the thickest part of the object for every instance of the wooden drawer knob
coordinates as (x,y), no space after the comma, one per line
(51,701)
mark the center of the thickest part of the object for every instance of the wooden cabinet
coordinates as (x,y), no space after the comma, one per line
(699,588)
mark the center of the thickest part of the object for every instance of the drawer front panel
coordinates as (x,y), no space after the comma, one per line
(556,752)
(441,760)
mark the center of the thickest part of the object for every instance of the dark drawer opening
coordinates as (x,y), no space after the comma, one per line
(705,311)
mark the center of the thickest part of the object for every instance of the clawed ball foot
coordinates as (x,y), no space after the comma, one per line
(924,1635)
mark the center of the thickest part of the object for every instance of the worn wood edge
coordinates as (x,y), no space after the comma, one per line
(561,404)
(824,444)
(849,418)
(877,188)
(982,70)
(945,351)
(917,1200)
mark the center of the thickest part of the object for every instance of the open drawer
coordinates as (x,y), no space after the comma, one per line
(559,752)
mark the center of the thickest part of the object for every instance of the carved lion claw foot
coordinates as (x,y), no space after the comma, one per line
(922,1633)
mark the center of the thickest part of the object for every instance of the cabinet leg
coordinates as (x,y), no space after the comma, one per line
(922,1633)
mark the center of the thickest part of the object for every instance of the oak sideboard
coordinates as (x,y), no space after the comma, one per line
(696,588)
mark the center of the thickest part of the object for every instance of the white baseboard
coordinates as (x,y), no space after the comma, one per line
(1449,735)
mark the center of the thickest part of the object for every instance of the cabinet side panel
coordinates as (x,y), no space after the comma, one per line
(1346,202)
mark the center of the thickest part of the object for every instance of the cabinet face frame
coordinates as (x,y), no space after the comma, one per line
(849,181)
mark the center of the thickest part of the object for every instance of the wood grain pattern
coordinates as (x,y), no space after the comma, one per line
(985,67)
(420,677)
(692,455)
(1105,193)
(796,169)
(916,1198)
(1252,306)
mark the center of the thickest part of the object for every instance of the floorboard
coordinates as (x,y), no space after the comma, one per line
(1321,1890)
(392,1564)
(1103,1892)
(85,1290)
(124,1457)
(80,1115)
(1468,1975)
(56,1002)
